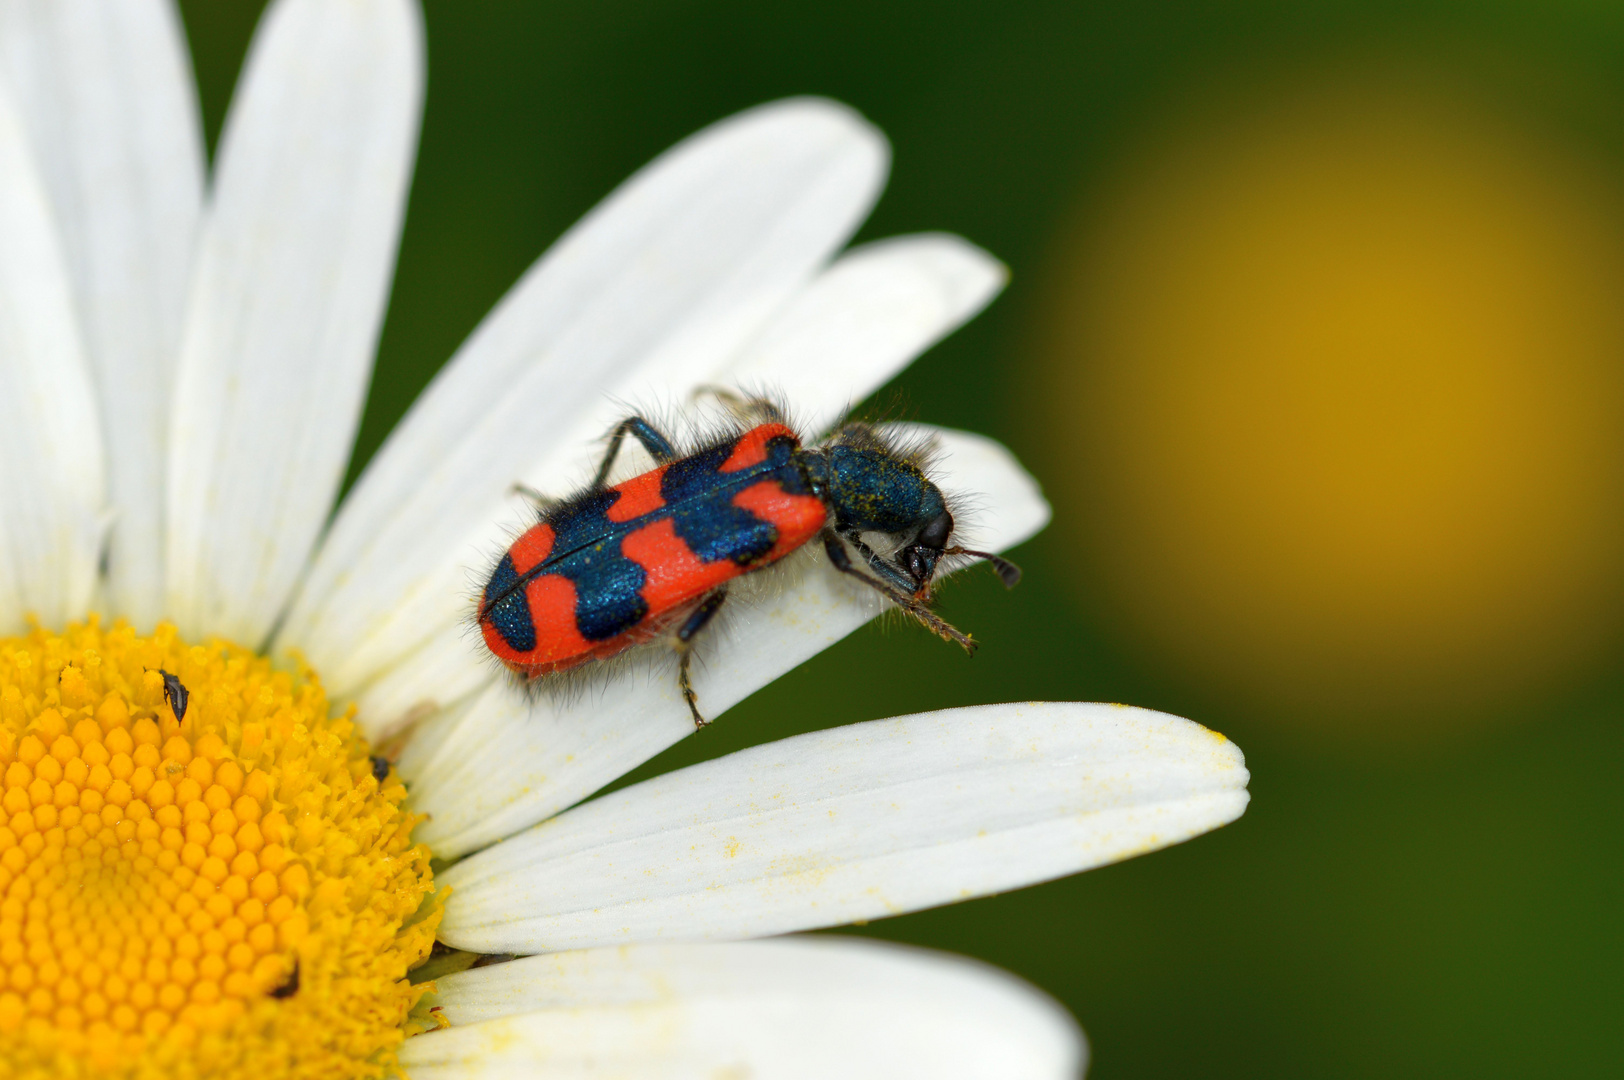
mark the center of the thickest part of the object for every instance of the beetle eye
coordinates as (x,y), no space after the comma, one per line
(935,534)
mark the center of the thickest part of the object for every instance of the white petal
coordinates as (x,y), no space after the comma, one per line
(648,296)
(850,823)
(451,665)
(796,1007)
(294,263)
(51,480)
(105,90)
(865,319)
(512,761)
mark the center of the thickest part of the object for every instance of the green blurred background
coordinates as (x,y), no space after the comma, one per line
(1316,340)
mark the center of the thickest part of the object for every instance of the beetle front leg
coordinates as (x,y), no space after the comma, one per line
(881,569)
(902,596)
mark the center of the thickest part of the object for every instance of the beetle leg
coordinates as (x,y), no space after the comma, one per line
(690,628)
(881,568)
(902,596)
(542,503)
(657,445)
(755,410)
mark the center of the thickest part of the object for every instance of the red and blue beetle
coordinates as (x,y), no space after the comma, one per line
(614,567)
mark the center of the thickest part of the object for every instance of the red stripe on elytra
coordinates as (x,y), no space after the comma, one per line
(676,576)
(551,598)
(647,630)
(529,550)
(751,449)
(797,517)
(559,644)
(638,496)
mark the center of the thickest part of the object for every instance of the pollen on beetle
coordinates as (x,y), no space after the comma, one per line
(233,894)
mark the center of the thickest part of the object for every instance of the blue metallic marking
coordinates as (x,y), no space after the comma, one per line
(580,522)
(507,608)
(607,583)
(700,501)
(607,588)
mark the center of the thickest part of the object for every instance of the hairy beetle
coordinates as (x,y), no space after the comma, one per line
(613,567)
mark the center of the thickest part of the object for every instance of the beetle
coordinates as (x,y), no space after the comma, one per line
(291,985)
(616,566)
(176,694)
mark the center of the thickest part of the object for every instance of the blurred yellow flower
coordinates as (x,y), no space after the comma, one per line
(1343,400)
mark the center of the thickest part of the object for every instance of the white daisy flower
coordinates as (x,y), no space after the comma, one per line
(203,869)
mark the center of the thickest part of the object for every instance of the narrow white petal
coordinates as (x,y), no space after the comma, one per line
(512,761)
(448,667)
(293,270)
(52,484)
(649,295)
(863,320)
(795,1007)
(851,823)
(105,90)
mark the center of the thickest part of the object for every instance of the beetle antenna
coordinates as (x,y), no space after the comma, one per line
(1007,572)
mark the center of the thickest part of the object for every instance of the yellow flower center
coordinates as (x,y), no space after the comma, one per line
(228,893)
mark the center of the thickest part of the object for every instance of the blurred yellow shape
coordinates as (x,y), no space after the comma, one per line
(1341,412)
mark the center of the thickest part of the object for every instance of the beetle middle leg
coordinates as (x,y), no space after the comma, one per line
(658,446)
(690,628)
